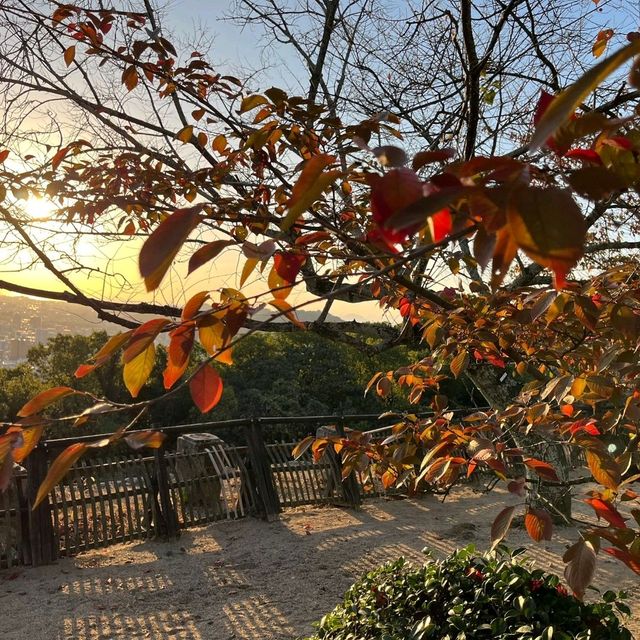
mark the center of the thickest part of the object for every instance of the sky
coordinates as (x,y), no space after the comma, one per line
(234,50)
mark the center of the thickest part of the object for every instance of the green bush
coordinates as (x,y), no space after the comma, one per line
(466,596)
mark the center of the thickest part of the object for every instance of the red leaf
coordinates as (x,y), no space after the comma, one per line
(588,425)
(206,388)
(587,155)
(288,265)
(4,154)
(178,354)
(538,524)
(632,561)
(607,511)
(44,399)
(517,487)
(162,246)
(440,225)
(59,157)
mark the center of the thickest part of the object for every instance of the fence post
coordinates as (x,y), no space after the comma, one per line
(23,514)
(350,485)
(260,472)
(42,540)
(168,524)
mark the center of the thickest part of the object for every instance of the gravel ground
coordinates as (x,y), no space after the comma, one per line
(250,579)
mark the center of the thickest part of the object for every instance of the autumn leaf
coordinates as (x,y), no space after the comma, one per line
(251,102)
(178,353)
(29,439)
(607,511)
(143,336)
(185,134)
(538,524)
(207,252)
(112,345)
(69,55)
(566,103)
(136,371)
(162,246)
(309,186)
(130,78)
(546,223)
(44,399)
(206,388)
(141,439)
(501,526)
(459,364)
(284,307)
(543,469)
(58,469)
(302,446)
(604,469)
(581,566)
(194,305)
(602,39)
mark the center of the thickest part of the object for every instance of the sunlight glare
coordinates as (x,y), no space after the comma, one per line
(39,208)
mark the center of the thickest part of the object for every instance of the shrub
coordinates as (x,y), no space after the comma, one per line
(466,596)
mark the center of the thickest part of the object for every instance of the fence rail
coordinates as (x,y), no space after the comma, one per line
(107,500)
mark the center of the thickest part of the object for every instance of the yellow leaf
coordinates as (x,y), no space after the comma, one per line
(247,270)
(311,182)
(251,102)
(137,371)
(565,104)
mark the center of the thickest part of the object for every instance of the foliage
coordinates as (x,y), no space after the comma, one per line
(339,207)
(469,596)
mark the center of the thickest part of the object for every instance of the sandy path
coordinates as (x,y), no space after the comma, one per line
(251,579)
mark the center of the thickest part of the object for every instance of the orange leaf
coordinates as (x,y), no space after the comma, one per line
(108,349)
(130,78)
(287,310)
(193,305)
(632,561)
(206,388)
(30,438)
(185,134)
(604,469)
(44,399)
(302,446)
(538,524)
(162,246)
(58,469)
(137,370)
(142,337)
(279,287)
(178,354)
(69,55)
(543,469)
(59,157)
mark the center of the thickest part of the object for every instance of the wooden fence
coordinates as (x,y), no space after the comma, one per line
(107,500)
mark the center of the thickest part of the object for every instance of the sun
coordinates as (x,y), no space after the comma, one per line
(39,208)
